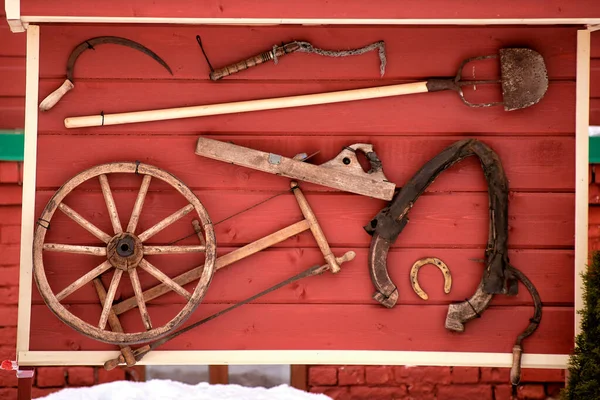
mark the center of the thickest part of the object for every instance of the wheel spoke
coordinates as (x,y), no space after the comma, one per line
(110,296)
(105,266)
(198,230)
(165,222)
(84,223)
(110,204)
(139,202)
(151,250)
(139,296)
(67,248)
(152,270)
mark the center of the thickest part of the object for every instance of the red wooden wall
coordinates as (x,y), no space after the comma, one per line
(536,146)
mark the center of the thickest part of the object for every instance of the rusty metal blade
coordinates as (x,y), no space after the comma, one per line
(524,77)
(91,43)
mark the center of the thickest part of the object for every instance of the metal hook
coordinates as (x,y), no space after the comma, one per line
(199,40)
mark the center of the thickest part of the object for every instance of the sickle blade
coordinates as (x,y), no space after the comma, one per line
(68,85)
(91,43)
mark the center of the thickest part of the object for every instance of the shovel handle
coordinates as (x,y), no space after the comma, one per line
(245,106)
(254,61)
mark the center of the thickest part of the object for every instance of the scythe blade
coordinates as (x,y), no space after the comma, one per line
(68,84)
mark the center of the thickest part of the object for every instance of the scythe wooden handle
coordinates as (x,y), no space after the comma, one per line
(246,106)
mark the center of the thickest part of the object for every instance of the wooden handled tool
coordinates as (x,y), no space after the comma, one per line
(54,97)
(524,83)
(276,52)
(312,271)
(343,172)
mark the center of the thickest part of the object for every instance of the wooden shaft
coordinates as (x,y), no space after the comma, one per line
(253,61)
(220,262)
(315,228)
(113,321)
(245,106)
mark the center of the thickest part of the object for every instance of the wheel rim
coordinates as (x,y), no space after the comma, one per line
(124,251)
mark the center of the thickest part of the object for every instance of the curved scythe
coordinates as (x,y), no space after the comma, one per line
(55,96)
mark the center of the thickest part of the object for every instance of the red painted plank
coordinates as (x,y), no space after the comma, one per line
(595,44)
(13,44)
(411,52)
(316,9)
(530,163)
(332,327)
(12,73)
(536,220)
(551,271)
(595,78)
(594,111)
(439,112)
(12,112)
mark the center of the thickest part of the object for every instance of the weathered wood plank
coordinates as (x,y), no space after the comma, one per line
(550,270)
(317,9)
(421,52)
(536,220)
(332,327)
(530,163)
(436,112)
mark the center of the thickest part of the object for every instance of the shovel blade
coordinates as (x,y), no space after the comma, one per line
(524,77)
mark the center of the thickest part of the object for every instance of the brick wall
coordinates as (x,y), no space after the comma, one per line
(356,382)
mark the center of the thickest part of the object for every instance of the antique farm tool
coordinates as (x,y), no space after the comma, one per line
(286,48)
(524,82)
(499,276)
(68,84)
(312,271)
(414,275)
(343,172)
(122,252)
(125,251)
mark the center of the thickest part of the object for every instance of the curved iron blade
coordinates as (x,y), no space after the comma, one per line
(90,43)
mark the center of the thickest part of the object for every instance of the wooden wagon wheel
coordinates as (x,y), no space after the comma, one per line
(124,251)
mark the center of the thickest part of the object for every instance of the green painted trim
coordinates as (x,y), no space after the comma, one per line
(12,145)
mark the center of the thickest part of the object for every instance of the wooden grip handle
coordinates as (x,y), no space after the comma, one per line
(254,61)
(242,65)
(55,96)
(515,370)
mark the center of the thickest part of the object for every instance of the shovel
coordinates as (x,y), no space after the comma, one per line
(524,82)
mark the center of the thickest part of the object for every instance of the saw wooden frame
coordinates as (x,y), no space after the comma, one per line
(25,357)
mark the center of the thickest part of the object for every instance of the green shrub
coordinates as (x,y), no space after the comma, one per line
(584,363)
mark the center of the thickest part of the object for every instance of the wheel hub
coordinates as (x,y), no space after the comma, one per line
(124,251)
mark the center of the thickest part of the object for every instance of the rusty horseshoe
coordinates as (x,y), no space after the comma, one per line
(414,275)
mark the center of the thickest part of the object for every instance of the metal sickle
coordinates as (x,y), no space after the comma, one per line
(414,278)
(67,85)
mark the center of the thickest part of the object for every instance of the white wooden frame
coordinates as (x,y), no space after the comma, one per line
(42,358)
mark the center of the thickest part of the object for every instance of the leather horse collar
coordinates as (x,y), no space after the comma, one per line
(499,277)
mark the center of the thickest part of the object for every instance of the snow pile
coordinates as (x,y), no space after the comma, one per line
(164,389)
